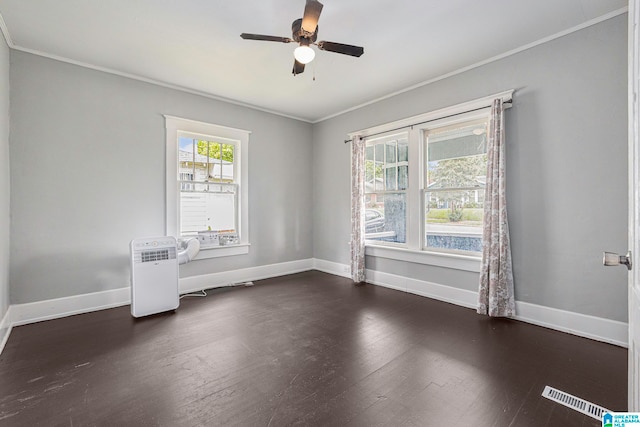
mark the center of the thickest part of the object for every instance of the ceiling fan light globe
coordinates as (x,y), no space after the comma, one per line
(304,54)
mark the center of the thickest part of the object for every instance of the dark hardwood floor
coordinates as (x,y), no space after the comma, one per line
(306,349)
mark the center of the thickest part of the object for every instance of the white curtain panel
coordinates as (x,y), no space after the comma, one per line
(357,209)
(495,295)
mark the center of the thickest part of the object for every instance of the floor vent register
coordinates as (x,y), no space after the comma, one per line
(580,405)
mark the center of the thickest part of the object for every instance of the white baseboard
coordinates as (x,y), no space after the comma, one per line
(22,314)
(227,278)
(332,268)
(596,328)
(423,288)
(5,329)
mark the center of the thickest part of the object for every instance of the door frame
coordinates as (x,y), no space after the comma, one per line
(634,205)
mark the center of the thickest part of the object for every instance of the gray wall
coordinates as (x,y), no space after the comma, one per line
(4,177)
(566,166)
(88,175)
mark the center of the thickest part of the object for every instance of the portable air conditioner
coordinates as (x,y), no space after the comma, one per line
(154,275)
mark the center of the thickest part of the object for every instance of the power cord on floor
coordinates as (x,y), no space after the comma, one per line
(202,293)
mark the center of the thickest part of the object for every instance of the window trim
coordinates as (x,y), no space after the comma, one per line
(413,250)
(174,126)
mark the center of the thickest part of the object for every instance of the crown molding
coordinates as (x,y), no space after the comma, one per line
(154,82)
(5,31)
(485,62)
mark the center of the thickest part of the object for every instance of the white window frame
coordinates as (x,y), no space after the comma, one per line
(413,250)
(175,126)
(406,191)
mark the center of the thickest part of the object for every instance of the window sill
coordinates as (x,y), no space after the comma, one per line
(222,251)
(455,261)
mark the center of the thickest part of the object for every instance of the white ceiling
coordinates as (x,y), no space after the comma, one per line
(196,44)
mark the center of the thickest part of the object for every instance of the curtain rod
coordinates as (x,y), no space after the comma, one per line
(508,101)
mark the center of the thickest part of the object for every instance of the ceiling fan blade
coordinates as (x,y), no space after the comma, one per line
(248,36)
(345,49)
(298,67)
(311,16)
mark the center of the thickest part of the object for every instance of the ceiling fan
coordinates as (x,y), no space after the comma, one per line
(305,33)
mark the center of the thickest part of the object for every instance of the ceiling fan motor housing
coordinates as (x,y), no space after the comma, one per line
(301,36)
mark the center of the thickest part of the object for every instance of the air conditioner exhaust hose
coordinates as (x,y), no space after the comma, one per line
(187,250)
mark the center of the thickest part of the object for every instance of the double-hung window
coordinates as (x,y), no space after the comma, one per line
(425,179)
(455,169)
(207,186)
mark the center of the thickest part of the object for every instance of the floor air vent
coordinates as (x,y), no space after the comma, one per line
(580,405)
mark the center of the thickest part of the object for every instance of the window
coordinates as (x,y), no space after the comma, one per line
(207,186)
(386,182)
(455,165)
(424,186)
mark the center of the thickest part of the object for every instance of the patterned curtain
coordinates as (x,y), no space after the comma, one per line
(357,209)
(495,296)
